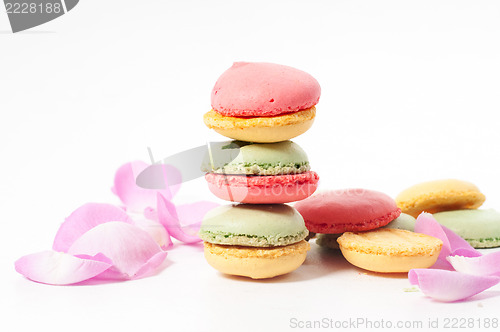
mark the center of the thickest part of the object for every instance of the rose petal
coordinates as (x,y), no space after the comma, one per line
(84,218)
(457,242)
(169,217)
(136,198)
(153,227)
(426,224)
(58,268)
(449,286)
(486,265)
(132,250)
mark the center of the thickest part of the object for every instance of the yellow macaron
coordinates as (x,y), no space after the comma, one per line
(254,262)
(390,250)
(267,129)
(439,195)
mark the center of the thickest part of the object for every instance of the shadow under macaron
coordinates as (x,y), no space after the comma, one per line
(320,262)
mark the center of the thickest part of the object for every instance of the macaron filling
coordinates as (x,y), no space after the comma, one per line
(252,240)
(264,169)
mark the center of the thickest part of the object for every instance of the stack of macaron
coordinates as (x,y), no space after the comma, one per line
(369,229)
(261,106)
(454,204)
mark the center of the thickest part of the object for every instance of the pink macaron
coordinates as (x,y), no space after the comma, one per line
(273,189)
(254,173)
(347,210)
(260,89)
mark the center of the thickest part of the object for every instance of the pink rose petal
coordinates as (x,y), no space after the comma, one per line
(132,250)
(153,227)
(84,218)
(458,243)
(426,224)
(449,286)
(136,198)
(487,265)
(58,268)
(184,221)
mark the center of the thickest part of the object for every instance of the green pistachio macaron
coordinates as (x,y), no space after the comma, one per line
(328,240)
(404,221)
(264,159)
(481,228)
(256,225)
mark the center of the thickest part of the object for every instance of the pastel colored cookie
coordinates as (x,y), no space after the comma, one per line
(263,102)
(339,211)
(404,221)
(263,159)
(438,196)
(481,228)
(261,129)
(264,174)
(256,241)
(390,250)
(328,240)
(255,225)
(254,262)
(263,89)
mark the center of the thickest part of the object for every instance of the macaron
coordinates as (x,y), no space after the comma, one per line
(263,102)
(347,210)
(404,221)
(263,174)
(390,250)
(438,196)
(256,241)
(481,228)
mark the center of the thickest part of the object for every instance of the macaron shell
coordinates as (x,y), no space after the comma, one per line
(404,221)
(256,263)
(263,89)
(390,250)
(438,196)
(346,210)
(270,154)
(261,129)
(253,225)
(481,228)
(263,189)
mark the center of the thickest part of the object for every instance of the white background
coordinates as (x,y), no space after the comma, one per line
(410,93)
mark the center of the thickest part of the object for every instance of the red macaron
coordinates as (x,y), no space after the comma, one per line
(347,210)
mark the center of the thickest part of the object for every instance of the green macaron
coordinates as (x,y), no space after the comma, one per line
(404,221)
(263,159)
(256,225)
(481,228)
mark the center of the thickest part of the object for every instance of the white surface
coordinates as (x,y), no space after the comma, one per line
(410,92)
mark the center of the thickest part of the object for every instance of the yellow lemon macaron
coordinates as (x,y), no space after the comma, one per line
(439,195)
(390,250)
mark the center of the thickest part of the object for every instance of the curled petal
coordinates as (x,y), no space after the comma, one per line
(153,228)
(58,268)
(133,252)
(184,221)
(450,286)
(486,265)
(136,198)
(458,243)
(426,224)
(85,218)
